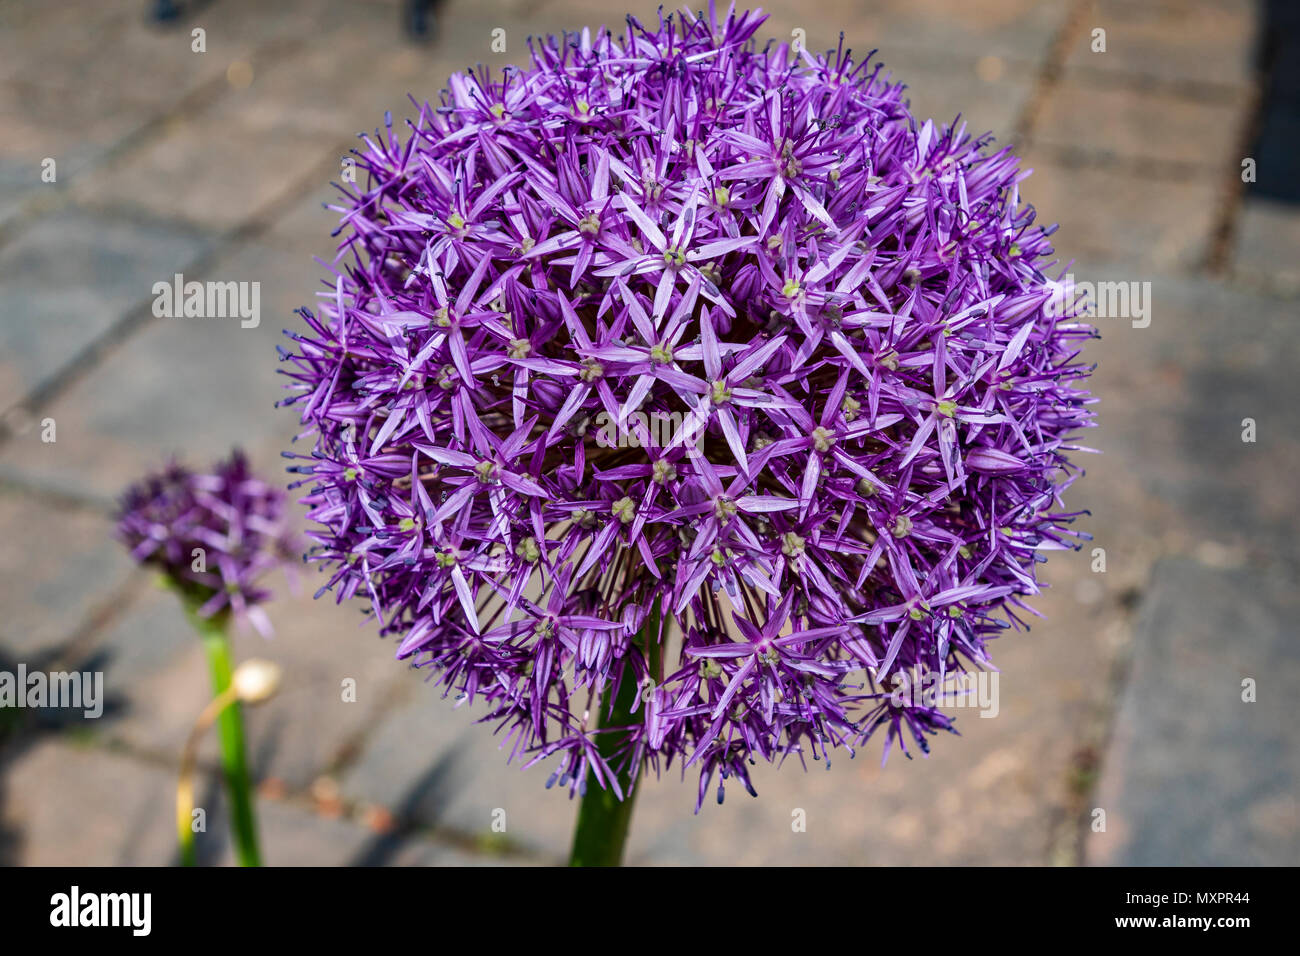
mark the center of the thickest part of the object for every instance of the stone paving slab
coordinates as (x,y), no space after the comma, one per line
(1211,358)
(430,763)
(79,45)
(77,806)
(156,675)
(1183,778)
(1174,476)
(310,725)
(300,93)
(73,131)
(1194,43)
(1114,215)
(1267,236)
(1196,776)
(59,567)
(80,806)
(193,387)
(243,170)
(416,852)
(304,227)
(153,671)
(1151,131)
(988,93)
(69,279)
(35,34)
(156,670)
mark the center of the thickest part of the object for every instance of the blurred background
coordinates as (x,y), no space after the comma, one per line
(133,148)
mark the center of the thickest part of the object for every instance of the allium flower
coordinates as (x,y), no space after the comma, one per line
(840,309)
(236,520)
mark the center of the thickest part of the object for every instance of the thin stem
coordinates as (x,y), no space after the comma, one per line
(603,819)
(230,733)
(184,824)
(185,788)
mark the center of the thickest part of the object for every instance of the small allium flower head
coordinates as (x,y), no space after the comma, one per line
(819,330)
(213,536)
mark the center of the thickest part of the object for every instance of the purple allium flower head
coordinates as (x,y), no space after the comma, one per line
(234,517)
(668,328)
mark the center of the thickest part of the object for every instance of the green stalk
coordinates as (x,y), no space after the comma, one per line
(230,733)
(189,857)
(603,819)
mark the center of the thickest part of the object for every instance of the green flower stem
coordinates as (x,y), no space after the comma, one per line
(188,855)
(603,819)
(230,733)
